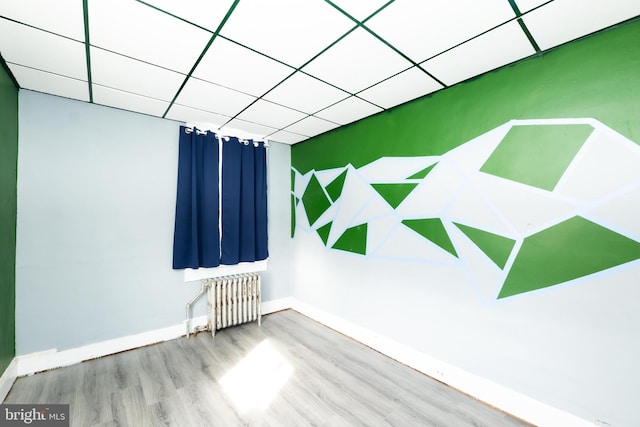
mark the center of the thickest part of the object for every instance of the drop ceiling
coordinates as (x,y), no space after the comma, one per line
(285,70)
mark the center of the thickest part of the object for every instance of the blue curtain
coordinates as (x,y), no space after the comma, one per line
(244,202)
(196,241)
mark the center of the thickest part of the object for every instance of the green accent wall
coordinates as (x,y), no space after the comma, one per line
(423,173)
(537,155)
(571,249)
(394,194)
(496,247)
(315,200)
(575,80)
(334,189)
(8,200)
(354,240)
(324,231)
(433,230)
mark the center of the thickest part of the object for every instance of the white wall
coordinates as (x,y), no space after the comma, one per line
(96,205)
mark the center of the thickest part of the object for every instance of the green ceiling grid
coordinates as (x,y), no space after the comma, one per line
(537,155)
(569,250)
(423,173)
(334,188)
(87,46)
(496,247)
(523,26)
(315,200)
(433,230)
(353,239)
(540,86)
(204,51)
(394,194)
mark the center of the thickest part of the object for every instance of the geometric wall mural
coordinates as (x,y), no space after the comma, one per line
(528,205)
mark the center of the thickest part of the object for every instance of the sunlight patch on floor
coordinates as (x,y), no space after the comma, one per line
(255,381)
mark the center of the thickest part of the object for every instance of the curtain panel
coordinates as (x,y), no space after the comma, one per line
(220,222)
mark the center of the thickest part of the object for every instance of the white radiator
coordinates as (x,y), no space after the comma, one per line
(233,300)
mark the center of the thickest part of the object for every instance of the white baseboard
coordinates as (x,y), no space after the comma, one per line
(272,306)
(8,378)
(510,401)
(507,400)
(51,359)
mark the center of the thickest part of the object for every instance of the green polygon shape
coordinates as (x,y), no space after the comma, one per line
(293,180)
(394,194)
(574,248)
(315,200)
(323,232)
(433,230)
(294,203)
(537,155)
(353,239)
(334,189)
(496,247)
(423,173)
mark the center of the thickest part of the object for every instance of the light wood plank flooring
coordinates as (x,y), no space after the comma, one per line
(298,373)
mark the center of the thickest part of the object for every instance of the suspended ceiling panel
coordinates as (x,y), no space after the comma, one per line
(550,27)
(284,70)
(499,46)
(421,29)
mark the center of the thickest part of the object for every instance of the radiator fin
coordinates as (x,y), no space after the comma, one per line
(233,300)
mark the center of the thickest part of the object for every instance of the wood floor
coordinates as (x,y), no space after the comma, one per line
(291,371)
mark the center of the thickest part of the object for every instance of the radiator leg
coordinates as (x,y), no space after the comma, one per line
(203,283)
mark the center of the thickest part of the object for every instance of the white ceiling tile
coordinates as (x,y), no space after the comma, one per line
(421,29)
(134,29)
(401,88)
(527,5)
(239,68)
(270,114)
(129,75)
(291,31)
(305,93)
(356,62)
(312,126)
(216,99)
(244,129)
(205,119)
(287,137)
(360,9)
(349,110)
(38,49)
(205,13)
(498,47)
(564,20)
(128,101)
(41,81)
(64,17)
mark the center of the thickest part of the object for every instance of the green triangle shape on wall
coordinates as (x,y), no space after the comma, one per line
(323,232)
(537,155)
(394,194)
(496,247)
(433,230)
(294,202)
(574,248)
(334,189)
(314,200)
(353,239)
(423,173)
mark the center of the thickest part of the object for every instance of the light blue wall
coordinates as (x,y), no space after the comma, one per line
(277,279)
(96,205)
